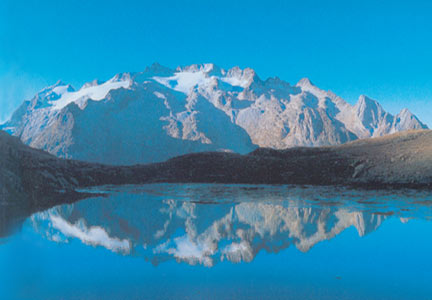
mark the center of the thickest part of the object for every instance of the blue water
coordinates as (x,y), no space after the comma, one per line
(172,241)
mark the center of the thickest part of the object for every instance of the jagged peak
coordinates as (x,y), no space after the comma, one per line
(274,79)
(122,77)
(157,68)
(209,67)
(405,112)
(365,101)
(241,72)
(406,115)
(212,69)
(277,81)
(156,65)
(206,68)
(364,98)
(94,82)
(59,83)
(305,82)
(58,88)
(235,70)
(246,75)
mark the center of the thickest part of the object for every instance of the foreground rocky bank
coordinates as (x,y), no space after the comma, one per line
(36,179)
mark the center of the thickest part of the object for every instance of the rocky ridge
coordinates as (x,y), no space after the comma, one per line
(161,113)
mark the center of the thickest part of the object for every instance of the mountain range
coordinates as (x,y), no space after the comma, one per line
(160,113)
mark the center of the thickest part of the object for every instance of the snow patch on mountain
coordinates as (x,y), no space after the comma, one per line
(93,91)
(184,81)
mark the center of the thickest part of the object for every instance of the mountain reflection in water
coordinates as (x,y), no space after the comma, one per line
(206,224)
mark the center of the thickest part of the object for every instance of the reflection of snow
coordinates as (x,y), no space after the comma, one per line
(166,227)
(236,252)
(201,234)
(95,236)
(187,250)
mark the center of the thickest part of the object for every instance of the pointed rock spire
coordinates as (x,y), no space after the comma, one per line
(304,82)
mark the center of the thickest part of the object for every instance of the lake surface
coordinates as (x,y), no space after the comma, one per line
(203,241)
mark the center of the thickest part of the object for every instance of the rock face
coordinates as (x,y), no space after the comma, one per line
(161,113)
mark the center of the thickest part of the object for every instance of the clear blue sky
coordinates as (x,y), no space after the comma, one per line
(379,48)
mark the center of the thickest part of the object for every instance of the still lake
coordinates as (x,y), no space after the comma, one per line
(215,241)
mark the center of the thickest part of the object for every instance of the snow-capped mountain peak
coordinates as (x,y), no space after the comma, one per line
(56,89)
(185,80)
(205,68)
(161,112)
(94,91)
